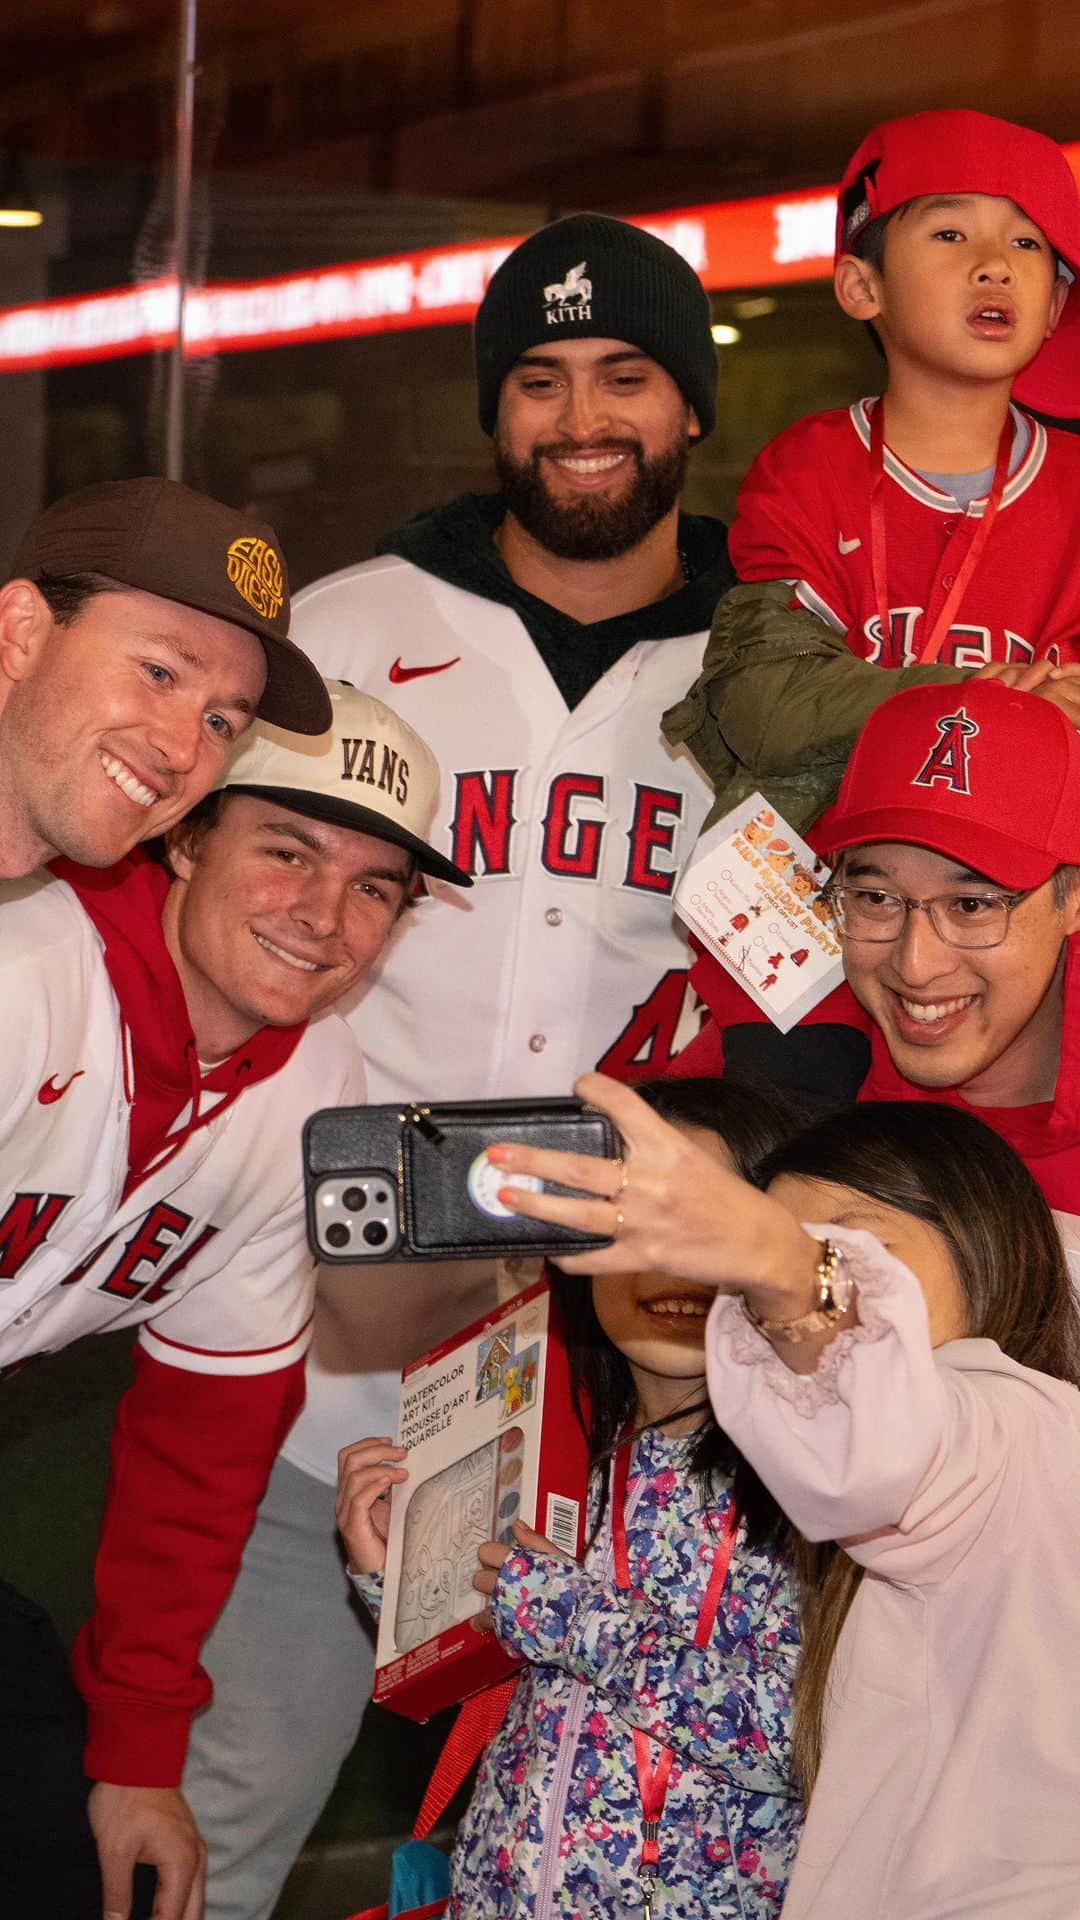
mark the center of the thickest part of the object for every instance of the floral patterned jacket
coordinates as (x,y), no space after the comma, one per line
(553,1831)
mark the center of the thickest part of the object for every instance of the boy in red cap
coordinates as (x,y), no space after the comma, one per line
(934,531)
(956,837)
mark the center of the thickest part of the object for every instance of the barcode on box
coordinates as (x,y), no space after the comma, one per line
(562,1522)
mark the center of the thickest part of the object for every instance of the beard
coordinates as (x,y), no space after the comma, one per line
(592,527)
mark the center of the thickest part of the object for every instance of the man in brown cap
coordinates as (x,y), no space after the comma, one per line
(142,630)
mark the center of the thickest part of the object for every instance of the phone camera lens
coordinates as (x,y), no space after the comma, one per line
(376,1234)
(338,1234)
(355,1199)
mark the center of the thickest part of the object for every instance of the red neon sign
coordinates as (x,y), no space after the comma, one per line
(731,243)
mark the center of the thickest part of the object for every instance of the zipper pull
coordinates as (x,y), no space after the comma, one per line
(420,1118)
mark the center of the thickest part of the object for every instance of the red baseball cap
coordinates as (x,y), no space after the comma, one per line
(960,151)
(983,774)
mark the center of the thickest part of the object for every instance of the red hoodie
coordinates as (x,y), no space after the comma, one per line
(839,1053)
(191,1452)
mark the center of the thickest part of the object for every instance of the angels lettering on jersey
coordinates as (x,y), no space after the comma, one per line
(575,826)
(149,1254)
(966,644)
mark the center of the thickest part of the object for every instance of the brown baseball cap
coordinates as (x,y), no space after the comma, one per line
(164,538)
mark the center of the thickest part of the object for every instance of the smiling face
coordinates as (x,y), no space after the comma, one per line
(591,443)
(115,725)
(984,1020)
(273,916)
(915,1242)
(658,1324)
(969,287)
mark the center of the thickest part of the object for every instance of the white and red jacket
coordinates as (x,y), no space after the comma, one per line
(135,1187)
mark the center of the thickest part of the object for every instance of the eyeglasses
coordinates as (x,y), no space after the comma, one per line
(959,919)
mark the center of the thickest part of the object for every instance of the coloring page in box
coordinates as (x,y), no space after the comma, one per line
(752,893)
(449,1516)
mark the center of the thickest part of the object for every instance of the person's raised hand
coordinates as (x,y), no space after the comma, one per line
(150,1826)
(666,1206)
(366,1473)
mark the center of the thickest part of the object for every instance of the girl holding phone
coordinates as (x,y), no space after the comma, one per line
(895,1348)
(644,1763)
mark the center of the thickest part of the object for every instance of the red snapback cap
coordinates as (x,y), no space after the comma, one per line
(983,774)
(960,151)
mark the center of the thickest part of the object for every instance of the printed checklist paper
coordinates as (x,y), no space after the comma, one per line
(751,892)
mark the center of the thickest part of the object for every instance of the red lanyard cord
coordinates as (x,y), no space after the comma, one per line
(931,648)
(653,1781)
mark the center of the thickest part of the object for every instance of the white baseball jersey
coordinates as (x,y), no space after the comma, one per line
(563,956)
(209,1253)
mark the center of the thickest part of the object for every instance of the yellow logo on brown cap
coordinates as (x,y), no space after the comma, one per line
(255,572)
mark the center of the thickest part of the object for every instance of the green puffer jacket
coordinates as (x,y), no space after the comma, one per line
(779,702)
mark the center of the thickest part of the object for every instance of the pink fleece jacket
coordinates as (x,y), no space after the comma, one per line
(950,1780)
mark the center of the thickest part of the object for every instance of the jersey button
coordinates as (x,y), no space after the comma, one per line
(21,1319)
(537,1042)
(553,916)
(948,580)
(949,529)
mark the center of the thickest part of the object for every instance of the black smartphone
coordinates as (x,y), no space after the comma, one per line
(412,1181)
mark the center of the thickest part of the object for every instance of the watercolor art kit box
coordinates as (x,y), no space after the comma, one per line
(492,1438)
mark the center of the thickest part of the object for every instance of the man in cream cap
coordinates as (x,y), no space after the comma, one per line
(161,1056)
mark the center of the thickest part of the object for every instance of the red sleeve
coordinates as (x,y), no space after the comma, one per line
(191,1454)
(785,525)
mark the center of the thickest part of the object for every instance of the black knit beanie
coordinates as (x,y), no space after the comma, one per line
(590,275)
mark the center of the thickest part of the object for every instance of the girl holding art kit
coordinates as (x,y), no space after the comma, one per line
(643,1765)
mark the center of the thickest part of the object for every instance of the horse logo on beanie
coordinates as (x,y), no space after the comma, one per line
(948,758)
(569,298)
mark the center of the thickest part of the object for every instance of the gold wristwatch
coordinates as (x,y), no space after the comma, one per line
(835,1292)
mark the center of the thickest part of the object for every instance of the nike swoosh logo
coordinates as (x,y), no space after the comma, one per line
(848,546)
(50,1091)
(399,674)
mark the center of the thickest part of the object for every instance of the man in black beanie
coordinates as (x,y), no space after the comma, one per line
(595,375)
(534,636)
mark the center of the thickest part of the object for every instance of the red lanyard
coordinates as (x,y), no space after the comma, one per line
(653,1781)
(931,648)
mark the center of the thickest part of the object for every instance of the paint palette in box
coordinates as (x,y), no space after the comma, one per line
(492,1438)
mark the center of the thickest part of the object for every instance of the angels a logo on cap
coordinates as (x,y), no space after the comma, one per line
(948,758)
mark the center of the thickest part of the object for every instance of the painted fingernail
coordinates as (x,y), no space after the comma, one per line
(498,1154)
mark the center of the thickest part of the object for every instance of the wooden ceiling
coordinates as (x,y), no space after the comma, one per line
(559,102)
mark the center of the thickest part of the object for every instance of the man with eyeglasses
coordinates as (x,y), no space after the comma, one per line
(955,839)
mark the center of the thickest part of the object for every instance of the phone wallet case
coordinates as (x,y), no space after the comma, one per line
(434,1160)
